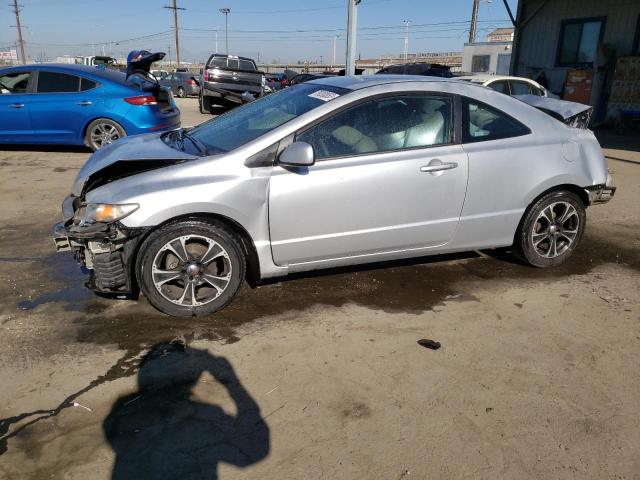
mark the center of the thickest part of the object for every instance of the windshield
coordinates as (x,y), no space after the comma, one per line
(248,122)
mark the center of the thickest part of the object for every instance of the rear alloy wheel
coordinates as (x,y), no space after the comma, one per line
(191,268)
(102,132)
(551,229)
(181,93)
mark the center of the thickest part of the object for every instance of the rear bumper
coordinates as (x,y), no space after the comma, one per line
(235,96)
(601,193)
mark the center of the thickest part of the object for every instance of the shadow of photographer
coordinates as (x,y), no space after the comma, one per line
(162,431)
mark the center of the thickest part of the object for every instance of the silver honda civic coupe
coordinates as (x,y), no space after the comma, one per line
(337,171)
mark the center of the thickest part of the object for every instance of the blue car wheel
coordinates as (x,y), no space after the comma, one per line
(101,132)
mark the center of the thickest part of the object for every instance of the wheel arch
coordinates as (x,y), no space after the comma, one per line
(92,119)
(248,246)
(579,191)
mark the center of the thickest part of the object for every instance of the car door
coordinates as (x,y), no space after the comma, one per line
(15,125)
(389,176)
(59,109)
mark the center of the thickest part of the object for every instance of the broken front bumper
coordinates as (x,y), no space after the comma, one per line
(106,250)
(601,193)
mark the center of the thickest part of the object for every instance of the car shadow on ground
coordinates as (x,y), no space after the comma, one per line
(45,148)
(164,431)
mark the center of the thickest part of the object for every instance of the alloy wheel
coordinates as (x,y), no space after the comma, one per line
(555,229)
(191,270)
(103,134)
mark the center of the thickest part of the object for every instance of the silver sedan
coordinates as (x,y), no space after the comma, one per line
(337,171)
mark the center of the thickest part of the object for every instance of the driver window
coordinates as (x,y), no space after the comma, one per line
(15,82)
(383,125)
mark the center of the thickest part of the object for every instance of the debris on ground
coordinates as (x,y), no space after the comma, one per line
(430,344)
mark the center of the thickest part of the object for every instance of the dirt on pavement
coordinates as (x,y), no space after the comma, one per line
(320,375)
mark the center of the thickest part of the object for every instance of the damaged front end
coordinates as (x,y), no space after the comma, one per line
(100,242)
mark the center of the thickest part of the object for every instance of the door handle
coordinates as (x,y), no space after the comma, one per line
(84,103)
(438,166)
(17,105)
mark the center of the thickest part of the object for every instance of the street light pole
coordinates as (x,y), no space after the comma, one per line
(226,12)
(352,25)
(406,39)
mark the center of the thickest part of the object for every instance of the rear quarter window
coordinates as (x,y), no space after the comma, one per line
(55,82)
(481,122)
(247,65)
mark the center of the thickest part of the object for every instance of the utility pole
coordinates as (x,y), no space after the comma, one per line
(334,50)
(175,9)
(16,10)
(406,39)
(226,12)
(216,51)
(474,21)
(352,25)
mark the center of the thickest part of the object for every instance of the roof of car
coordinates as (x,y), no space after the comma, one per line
(355,82)
(71,68)
(484,77)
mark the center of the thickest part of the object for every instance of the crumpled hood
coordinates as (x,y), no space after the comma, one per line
(563,108)
(139,147)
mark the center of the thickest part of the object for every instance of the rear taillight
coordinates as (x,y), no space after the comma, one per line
(142,100)
(206,75)
(192,83)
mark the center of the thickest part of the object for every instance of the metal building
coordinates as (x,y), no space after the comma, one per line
(587,49)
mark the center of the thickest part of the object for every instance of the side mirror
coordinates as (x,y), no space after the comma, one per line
(298,154)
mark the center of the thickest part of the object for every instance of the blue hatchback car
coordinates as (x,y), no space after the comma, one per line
(80,105)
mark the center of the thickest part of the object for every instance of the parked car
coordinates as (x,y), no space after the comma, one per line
(182,84)
(159,74)
(509,85)
(306,77)
(417,68)
(80,105)
(229,80)
(276,81)
(337,171)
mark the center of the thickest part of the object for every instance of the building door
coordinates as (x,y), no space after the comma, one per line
(504,62)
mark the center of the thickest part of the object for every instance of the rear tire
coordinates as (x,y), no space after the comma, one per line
(551,229)
(101,132)
(191,267)
(181,93)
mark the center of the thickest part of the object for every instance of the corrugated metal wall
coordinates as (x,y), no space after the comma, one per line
(538,39)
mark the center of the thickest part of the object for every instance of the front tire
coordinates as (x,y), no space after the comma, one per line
(101,132)
(551,229)
(181,93)
(191,268)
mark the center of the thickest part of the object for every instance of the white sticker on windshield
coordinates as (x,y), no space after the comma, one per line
(324,95)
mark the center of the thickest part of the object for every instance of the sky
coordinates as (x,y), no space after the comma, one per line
(268,30)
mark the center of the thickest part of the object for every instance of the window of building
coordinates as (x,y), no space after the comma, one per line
(579,41)
(480,63)
(54,82)
(482,122)
(383,125)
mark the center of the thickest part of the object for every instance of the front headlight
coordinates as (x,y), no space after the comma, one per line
(106,212)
